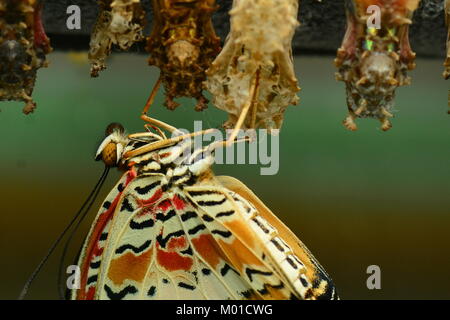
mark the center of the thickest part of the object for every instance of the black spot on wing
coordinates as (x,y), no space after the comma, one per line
(266,287)
(225,214)
(261,226)
(126,206)
(191,181)
(103,236)
(196,229)
(95,265)
(188,251)
(250,272)
(148,188)
(141,225)
(106,205)
(248,293)
(180,176)
(163,240)
(207,218)
(211,203)
(206,271)
(92,279)
(292,263)
(227,268)
(203,193)
(120,187)
(151,292)
(277,245)
(225,234)
(186,286)
(188,215)
(121,294)
(165,217)
(144,246)
(304,282)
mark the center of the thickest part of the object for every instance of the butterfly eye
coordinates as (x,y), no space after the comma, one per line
(109,154)
(111,149)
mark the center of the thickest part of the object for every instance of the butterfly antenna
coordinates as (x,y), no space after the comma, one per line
(36,271)
(74,230)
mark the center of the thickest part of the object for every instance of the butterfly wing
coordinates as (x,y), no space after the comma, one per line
(158,248)
(215,240)
(322,285)
(91,253)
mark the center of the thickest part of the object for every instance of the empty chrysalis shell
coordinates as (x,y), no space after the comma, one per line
(256,64)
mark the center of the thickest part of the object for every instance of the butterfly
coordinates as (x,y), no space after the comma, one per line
(182,45)
(253,78)
(119,22)
(23,49)
(171,229)
(374,61)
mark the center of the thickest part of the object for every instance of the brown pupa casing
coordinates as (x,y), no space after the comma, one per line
(374,62)
(182,45)
(23,49)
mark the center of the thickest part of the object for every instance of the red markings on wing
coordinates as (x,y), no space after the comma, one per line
(177,243)
(178,203)
(164,205)
(208,249)
(90,294)
(164,155)
(172,260)
(150,201)
(131,174)
(93,249)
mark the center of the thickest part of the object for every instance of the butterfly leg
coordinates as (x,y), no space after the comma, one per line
(158,123)
(151,98)
(349,122)
(247,106)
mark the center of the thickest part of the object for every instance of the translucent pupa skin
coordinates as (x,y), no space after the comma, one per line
(120,23)
(23,49)
(257,55)
(374,61)
(183,45)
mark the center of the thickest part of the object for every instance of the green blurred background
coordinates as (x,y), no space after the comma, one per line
(354,198)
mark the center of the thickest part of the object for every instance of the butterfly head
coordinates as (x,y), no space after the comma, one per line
(112,147)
